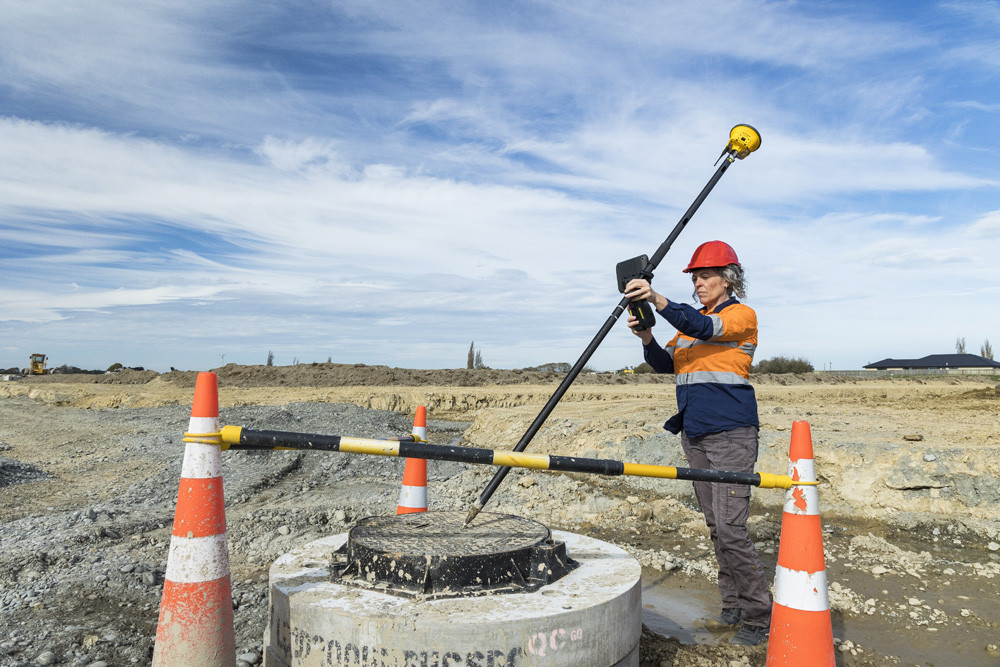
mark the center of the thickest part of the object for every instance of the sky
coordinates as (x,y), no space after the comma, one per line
(190,184)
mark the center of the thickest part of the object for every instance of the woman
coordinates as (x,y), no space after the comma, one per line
(717,418)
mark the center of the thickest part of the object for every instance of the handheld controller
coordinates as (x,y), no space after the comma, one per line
(641,310)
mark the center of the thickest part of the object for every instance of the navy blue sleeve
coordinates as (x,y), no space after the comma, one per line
(657,357)
(688,321)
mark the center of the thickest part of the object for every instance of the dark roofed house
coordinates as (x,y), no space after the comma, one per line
(962,363)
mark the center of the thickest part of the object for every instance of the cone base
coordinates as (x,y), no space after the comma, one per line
(196,625)
(800,638)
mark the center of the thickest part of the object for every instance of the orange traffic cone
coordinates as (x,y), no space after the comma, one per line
(413,495)
(801,628)
(196,610)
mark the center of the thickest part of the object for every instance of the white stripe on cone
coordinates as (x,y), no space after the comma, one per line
(805,591)
(803,470)
(413,497)
(202,461)
(194,560)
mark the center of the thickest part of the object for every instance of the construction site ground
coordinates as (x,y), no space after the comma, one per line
(89,469)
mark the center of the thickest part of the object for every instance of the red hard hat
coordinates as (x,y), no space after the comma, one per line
(712,254)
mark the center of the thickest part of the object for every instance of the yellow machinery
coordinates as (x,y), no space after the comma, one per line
(36,364)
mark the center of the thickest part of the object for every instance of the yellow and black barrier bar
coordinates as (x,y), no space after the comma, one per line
(237,437)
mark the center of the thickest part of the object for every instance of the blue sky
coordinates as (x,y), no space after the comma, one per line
(189,184)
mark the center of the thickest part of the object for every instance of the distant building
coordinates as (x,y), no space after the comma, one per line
(939,362)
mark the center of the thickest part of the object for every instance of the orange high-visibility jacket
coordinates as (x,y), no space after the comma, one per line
(711,356)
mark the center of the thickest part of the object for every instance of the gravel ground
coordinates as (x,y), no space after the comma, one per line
(80,585)
(87,500)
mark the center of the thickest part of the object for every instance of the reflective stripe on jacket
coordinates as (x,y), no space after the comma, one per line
(711,356)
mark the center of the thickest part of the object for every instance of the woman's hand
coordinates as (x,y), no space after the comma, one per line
(646,336)
(639,289)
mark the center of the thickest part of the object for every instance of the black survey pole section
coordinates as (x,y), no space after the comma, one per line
(501,473)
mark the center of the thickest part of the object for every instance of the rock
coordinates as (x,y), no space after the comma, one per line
(914,602)
(930,457)
(993,546)
(664,511)
(46,658)
(879,569)
(148,578)
(993,649)
(284,530)
(913,437)
(527,482)
(642,512)
(907,475)
(250,657)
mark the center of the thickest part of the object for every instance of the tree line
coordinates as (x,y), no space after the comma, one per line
(985,350)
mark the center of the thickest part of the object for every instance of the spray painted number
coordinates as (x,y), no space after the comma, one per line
(542,643)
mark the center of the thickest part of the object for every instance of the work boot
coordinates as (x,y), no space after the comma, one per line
(731,616)
(750,635)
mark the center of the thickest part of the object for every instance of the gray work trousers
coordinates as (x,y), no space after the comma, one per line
(726,506)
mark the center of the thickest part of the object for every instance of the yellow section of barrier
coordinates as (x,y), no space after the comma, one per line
(366,446)
(230,436)
(206,439)
(519,460)
(769,480)
(650,470)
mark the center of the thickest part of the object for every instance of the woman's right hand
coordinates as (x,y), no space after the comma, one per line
(639,289)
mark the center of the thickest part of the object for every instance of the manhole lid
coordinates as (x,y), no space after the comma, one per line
(430,554)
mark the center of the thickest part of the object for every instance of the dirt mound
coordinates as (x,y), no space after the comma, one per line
(362,375)
(986,393)
(127,376)
(354,375)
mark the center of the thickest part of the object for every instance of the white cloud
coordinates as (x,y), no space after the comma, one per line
(986,227)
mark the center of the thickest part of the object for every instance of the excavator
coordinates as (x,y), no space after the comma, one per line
(36,365)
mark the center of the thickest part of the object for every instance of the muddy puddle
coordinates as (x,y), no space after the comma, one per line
(682,610)
(936,616)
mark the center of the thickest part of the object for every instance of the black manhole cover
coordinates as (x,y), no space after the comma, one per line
(430,554)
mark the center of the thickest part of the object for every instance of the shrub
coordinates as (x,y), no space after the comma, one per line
(782,365)
(643,368)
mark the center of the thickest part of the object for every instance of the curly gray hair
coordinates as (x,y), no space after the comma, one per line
(732,274)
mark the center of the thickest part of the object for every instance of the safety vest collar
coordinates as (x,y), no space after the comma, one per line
(725,304)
